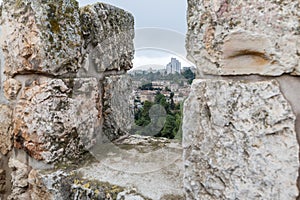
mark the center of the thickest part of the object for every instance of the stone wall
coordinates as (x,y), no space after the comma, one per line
(244,37)
(59,62)
(241,119)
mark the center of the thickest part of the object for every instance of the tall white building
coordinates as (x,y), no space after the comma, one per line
(173,67)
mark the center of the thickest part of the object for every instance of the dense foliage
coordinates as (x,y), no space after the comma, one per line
(188,74)
(172,124)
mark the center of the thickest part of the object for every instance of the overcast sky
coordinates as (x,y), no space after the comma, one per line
(160,29)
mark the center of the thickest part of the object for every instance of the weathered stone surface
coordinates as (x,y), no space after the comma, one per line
(117,110)
(5,129)
(11,88)
(151,165)
(240,145)
(26,182)
(41,36)
(108,34)
(2,180)
(129,195)
(244,37)
(37,188)
(63,185)
(5,177)
(19,179)
(57,119)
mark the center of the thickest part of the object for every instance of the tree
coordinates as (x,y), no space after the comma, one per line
(158,97)
(167,131)
(172,104)
(188,74)
(142,117)
(161,100)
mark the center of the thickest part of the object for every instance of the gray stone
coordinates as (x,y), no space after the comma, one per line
(19,180)
(11,88)
(2,181)
(108,34)
(26,182)
(41,37)
(244,37)
(240,144)
(37,189)
(64,185)
(117,110)
(56,119)
(6,135)
(129,195)
(151,165)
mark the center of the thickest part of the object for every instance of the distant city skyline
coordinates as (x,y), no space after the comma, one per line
(157,60)
(167,61)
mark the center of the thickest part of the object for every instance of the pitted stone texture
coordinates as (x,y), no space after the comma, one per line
(108,34)
(2,181)
(129,195)
(19,180)
(41,36)
(64,185)
(153,166)
(117,110)
(240,144)
(57,119)
(244,37)
(26,183)
(37,188)
(6,134)
(11,88)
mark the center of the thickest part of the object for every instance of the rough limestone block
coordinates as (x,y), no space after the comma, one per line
(19,180)
(57,119)
(11,88)
(157,167)
(5,129)
(244,37)
(239,142)
(41,36)
(108,34)
(117,110)
(153,166)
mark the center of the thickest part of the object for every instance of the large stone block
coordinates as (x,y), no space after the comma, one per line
(57,119)
(239,142)
(244,37)
(25,181)
(20,171)
(11,88)
(6,135)
(157,167)
(117,109)
(41,36)
(108,34)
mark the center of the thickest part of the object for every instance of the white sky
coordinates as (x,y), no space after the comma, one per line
(169,14)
